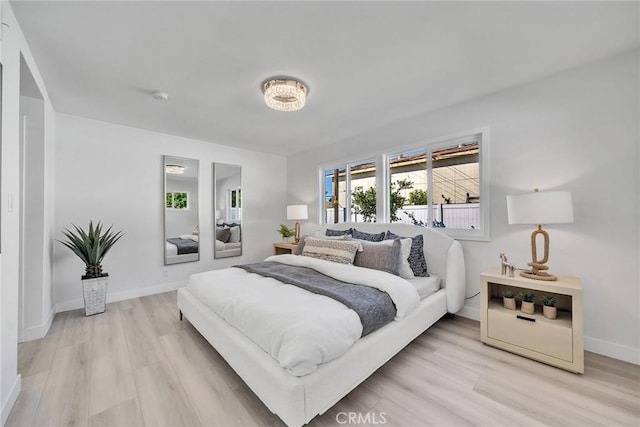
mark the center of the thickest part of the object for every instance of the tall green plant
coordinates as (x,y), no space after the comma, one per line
(91,246)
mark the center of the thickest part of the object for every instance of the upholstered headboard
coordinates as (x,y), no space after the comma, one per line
(444,255)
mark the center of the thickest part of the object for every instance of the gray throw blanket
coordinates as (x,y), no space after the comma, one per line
(374,307)
(185,246)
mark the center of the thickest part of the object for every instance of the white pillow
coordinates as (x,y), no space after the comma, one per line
(189,237)
(220,246)
(340,251)
(235,234)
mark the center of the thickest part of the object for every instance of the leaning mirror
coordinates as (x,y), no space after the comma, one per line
(181,229)
(228,210)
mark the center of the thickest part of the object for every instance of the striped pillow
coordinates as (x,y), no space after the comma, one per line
(340,251)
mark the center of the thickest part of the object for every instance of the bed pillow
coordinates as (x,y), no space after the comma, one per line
(220,246)
(370,237)
(235,234)
(318,235)
(390,256)
(340,251)
(416,259)
(223,234)
(330,232)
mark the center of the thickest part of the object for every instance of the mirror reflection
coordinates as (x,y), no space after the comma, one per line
(228,210)
(181,231)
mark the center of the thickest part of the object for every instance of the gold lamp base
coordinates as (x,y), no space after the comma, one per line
(538,267)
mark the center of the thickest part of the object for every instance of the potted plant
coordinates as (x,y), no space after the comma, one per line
(549,309)
(286,233)
(91,247)
(509,300)
(528,299)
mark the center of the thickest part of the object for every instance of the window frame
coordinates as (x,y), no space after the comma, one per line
(173,195)
(383,177)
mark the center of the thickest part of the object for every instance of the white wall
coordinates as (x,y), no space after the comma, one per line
(11,46)
(576,131)
(114,174)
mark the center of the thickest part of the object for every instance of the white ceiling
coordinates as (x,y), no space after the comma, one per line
(366,63)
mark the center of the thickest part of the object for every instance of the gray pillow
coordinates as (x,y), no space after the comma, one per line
(223,234)
(361,235)
(329,232)
(379,256)
(417,260)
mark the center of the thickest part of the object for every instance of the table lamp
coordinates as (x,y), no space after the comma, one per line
(296,212)
(548,207)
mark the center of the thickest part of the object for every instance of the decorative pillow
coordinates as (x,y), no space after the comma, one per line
(340,251)
(220,246)
(380,256)
(317,235)
(188,237)
(223,234)
(329,232)
(416,258)
(369,237)
(235,234)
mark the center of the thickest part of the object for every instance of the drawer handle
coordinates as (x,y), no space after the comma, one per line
(526,318)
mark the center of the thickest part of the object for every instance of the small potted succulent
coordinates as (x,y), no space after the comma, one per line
(91,246)
(509,300)
(286,233)
(549,309)
(528,299)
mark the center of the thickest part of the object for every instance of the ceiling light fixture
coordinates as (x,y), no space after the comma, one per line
(159,95)
(284,94)
(174,169)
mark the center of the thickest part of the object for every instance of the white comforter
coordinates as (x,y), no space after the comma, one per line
(299,329)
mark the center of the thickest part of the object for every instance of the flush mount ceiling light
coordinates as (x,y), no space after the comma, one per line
(284,94)
(158,95)
(174,169)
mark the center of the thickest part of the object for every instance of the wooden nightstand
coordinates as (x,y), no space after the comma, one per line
(283,248)
(557,342)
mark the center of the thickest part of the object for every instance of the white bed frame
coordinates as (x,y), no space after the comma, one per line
(297,400)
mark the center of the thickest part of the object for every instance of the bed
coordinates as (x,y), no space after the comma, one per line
(183,248)
(297,399)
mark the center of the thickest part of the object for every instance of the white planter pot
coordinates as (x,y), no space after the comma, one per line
(527,307)
(95,295)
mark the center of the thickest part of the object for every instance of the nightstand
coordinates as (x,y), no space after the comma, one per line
(557,342)
(283,248)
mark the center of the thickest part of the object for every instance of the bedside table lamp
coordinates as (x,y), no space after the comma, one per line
(547,207)
(296,212)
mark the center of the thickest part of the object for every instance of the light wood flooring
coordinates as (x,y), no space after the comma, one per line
(137,364)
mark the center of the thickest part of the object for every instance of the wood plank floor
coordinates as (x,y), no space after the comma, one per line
(137,364)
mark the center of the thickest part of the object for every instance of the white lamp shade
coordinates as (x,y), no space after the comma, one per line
(218,214)
(545,207)
(297,212)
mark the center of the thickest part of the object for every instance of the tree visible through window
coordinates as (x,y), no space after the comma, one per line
(177,200)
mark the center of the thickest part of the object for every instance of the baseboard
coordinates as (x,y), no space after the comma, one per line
(605,348)
(8,403)
(123,295)
(469,313)
(37,332)
(613,350)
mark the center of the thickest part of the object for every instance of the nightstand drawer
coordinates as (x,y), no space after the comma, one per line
(539,335)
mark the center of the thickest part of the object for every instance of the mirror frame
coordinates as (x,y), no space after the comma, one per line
(216,255)
(187,258)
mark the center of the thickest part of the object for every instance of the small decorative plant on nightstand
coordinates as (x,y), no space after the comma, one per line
(528,299)
(286,233)
(549,309)
(509,300)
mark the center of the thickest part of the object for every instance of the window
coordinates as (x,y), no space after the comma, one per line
(439,185)
(363,191)
(350,193)
(235,204)
(177,200)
